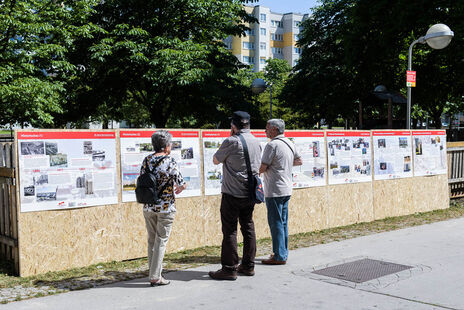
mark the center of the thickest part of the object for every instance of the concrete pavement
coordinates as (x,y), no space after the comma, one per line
(436,252)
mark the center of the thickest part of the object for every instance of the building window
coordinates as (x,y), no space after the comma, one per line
(262,61)
(262,17)
(276,37)
(297,50)
(248,45)
(248,59)
(276,50)
(296,37)
(296,23)
(262,45)
(262,31)
(276,23)
(250,32)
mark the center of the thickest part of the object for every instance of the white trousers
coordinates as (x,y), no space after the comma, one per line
(158,228)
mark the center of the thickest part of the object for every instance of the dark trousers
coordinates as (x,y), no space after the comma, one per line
(235,209)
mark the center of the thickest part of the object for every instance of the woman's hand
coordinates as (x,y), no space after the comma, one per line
(179,189)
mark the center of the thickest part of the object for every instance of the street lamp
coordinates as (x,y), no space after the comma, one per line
(437,37)
(258,86)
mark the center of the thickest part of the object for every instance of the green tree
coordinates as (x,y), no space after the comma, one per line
(168,56)
(36,37)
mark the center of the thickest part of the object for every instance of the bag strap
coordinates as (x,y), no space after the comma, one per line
(291,149)
(247,161)
(156,164)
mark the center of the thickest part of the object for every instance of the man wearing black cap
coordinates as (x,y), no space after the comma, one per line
(236,205)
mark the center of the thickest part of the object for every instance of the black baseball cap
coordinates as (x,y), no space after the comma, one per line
(240,118)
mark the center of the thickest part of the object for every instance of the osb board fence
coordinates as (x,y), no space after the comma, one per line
(62,239)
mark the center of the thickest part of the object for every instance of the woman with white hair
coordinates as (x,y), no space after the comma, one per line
(160,216)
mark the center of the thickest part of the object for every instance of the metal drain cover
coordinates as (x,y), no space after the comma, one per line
(362,270)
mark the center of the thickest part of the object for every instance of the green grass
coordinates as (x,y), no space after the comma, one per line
(103,273)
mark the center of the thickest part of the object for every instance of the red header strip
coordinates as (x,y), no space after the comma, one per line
(259,134)
(295,134)
(391,133)
(429,132)
(215,134)
(348,133)
(60,135)
(148,133)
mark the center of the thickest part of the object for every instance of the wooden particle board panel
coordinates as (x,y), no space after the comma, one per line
(308,210)
(393,198)
(431,193)
(349,204)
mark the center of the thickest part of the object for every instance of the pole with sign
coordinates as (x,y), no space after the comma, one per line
(411,78)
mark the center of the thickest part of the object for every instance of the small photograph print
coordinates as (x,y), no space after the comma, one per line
(365,162)
(59,160)
(51,148)
(187,153)
(129,180)
(381,143)
(176,145)
(333,165)
(418,146)
(41,179)
(130,149)
(214,175)
(383,166)
(146,147)
(437,138)
(212,144)
(46,193)
(32,148)
(318,172)
(98,155)
(347,148)
(332,151)
(364,150)
(433,141)
(344,169)
(80,181)
(88,147)
(315,148)
(29,190)
(403,142)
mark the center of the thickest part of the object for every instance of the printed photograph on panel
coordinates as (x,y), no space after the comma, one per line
(51,148)
(32,148)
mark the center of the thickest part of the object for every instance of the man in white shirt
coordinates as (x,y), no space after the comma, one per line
(278,158)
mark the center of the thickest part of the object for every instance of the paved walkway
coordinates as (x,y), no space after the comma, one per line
(436,281)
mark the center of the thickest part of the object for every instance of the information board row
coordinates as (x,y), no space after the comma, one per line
(71,169)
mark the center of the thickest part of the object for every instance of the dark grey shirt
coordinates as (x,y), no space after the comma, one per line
(234,169)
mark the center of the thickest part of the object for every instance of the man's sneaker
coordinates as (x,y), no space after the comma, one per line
(245,271)
(272,261)
(223,274)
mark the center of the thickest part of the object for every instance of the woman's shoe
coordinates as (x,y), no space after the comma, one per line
(159,282)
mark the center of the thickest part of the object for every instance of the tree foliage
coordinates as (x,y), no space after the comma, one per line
(351,46)
(36,36)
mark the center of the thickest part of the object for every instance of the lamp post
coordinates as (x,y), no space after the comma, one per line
(437,37)
(258,86)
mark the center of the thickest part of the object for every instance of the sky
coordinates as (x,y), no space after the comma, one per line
(286,6)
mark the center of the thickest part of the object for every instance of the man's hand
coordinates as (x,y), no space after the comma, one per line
(215,161)
(263,168)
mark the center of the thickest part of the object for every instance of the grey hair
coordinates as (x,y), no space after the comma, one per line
(277,123)
(160,140)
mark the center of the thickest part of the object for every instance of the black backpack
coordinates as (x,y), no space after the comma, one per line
(146,190)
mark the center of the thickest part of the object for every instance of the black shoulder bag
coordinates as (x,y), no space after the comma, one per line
(255,186)
(146,190)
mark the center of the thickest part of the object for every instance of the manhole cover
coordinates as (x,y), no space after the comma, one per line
(362,270)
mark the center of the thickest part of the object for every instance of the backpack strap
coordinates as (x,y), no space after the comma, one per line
(247,161)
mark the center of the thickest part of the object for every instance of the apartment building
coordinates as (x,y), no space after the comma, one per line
(275,36)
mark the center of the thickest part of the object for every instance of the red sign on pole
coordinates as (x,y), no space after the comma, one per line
(411,78)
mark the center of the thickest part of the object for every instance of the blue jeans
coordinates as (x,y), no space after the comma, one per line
(277,217)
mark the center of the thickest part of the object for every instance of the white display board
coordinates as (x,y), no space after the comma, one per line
(212,140)
(136,145)
(429,148)
(349,156)
(392,154)
(310,146)
(66,169)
